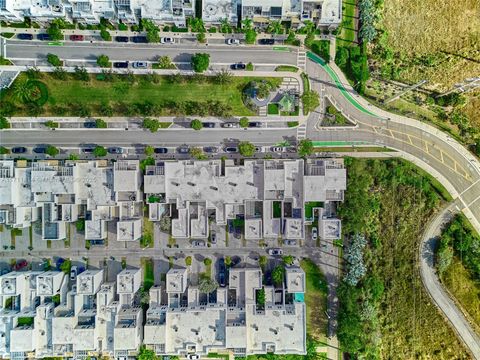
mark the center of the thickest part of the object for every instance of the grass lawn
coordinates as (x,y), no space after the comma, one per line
(289,68)
(147,237)
(347,34)
(272,109)
(315,300)
(292,123)
(148,275)
(25,321)
(96,92)
(309,208)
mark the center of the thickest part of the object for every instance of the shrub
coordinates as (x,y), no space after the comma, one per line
(103,61)
(200,62)
(52,150)
(100,124)
(196,124)
(164,62)
(105,34)
(305,147)
(207,261)
(4,150)
(80,225)
(246,148)
(55,33)
(100,151)
(201,38)
(243,122)
(149,150)
(188,261)
(151,124)
(310,100)
(54,60)
(250,36)
(4,123)
(51,124)
(277,275)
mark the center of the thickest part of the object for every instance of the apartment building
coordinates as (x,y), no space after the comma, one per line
(272,197)
(61,193)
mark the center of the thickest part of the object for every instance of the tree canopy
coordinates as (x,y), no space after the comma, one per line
(200,62)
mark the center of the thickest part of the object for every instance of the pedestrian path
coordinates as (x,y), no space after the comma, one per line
(301,58)
(301,132)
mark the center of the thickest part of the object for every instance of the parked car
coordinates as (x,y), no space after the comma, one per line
(90,124)
(123,39)
(73,273)
(230,125)
(193,357)
(208,125)
(258,149)
(160,150)
(314,233)
(25,36)
(233,42)
(213,237)
(267,41)
(290,242)
(139,39)
(276,149)
(184,149)
(238,66)
(275,252)
(43,37)
(76,38)
(210,149)
(19,150)
(291,149)
(88,149)
(120,64)
(115,150)
(167,40)
(40,150)
(20,264)
(221,272)
(140,64)
(198,243)
(231,149)
(237,232)
(256,124)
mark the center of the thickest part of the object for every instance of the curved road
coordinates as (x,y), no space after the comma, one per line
(435,288)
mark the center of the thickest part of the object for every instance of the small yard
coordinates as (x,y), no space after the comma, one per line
(272,109)
(333,117)
(148,275)
(309,208)
(25,321)
(147,238)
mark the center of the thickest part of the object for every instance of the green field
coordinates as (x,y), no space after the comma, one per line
(347,34)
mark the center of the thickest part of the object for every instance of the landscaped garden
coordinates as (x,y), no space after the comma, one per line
(107,94)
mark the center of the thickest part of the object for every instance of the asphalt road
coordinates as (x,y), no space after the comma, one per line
(179,53)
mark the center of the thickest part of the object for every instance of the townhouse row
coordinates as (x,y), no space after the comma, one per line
(325,13)
(43,314)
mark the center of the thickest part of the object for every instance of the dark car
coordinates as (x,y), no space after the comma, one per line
(255,124)
(221,272)
(160,150)
(20,265)
(40,150)
(183,149)
(139,39)
(76,37)
(88,149)
(267,41)
(19,150)
(210,149)
(231,149)
(238,66)
(44,37)
(25,36)
(121,38)
(90,124)
(120,64)
(208,124)
(115,150)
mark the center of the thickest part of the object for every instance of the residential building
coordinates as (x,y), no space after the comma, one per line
(270,197)
(215,12)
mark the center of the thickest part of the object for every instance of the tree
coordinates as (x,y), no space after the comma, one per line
(342,57)
(207,261)
(73,157)
(222,77)
(310,100)
(146,354)
(246,148)
(149,150)
(201,38)
(277,275)
(23,90)
(262,261)
(207,285)
(196,124)
(243,122)
(196,25)
(188,260)
(275,27)
(55,32)
(54,60)
(52,150)
(164,62)
(197,153)
(288,259)
(66,266)
(100,124)
(444,258)
(228,260)
(225,26)
(263,90)
(151,124)
(165,223)
(305,147)
(261,297)
(105,34)
(250,36)
(200,62)
(4,150)
(100,151)
(4,123)
(247,24)
(103,61)
(356,268)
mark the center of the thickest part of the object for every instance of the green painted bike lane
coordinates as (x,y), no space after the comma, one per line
(339,84)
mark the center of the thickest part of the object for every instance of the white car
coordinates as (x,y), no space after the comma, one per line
(198,243)
(314,233)
(275,252)
(73,273)
(167,40)
(230,125)
(290,242)
(276,149)
(193,357)
(140,65)
(233,42)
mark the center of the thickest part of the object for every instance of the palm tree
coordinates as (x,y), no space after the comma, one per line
(275,27)
(22,90)
(247,24)
(225,26)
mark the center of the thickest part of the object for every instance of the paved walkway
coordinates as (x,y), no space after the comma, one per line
(435,289)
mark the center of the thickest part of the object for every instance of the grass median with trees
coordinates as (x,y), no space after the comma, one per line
(82,94)
(385,312)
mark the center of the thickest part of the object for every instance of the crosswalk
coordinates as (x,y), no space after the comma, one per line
(301,132)
(301,58)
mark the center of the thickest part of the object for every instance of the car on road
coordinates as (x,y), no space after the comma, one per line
(275,252)
(115,150)
(19,150)
(276,149)
(208,125)
(314,233)
(139,39)
(213,237)
(160,150)
(184,149)
(167,40)
(198,243)
(231,149)
(222,269)
(90,124)
(76,38)
(140,64)
(210,149)
(238,66)
(73,273)
(254,124)
(25,36)
(123,39)
(290,242)
(266,41)
(40,150)
(120,64)
(230,125)
(44,37)
(232,42)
